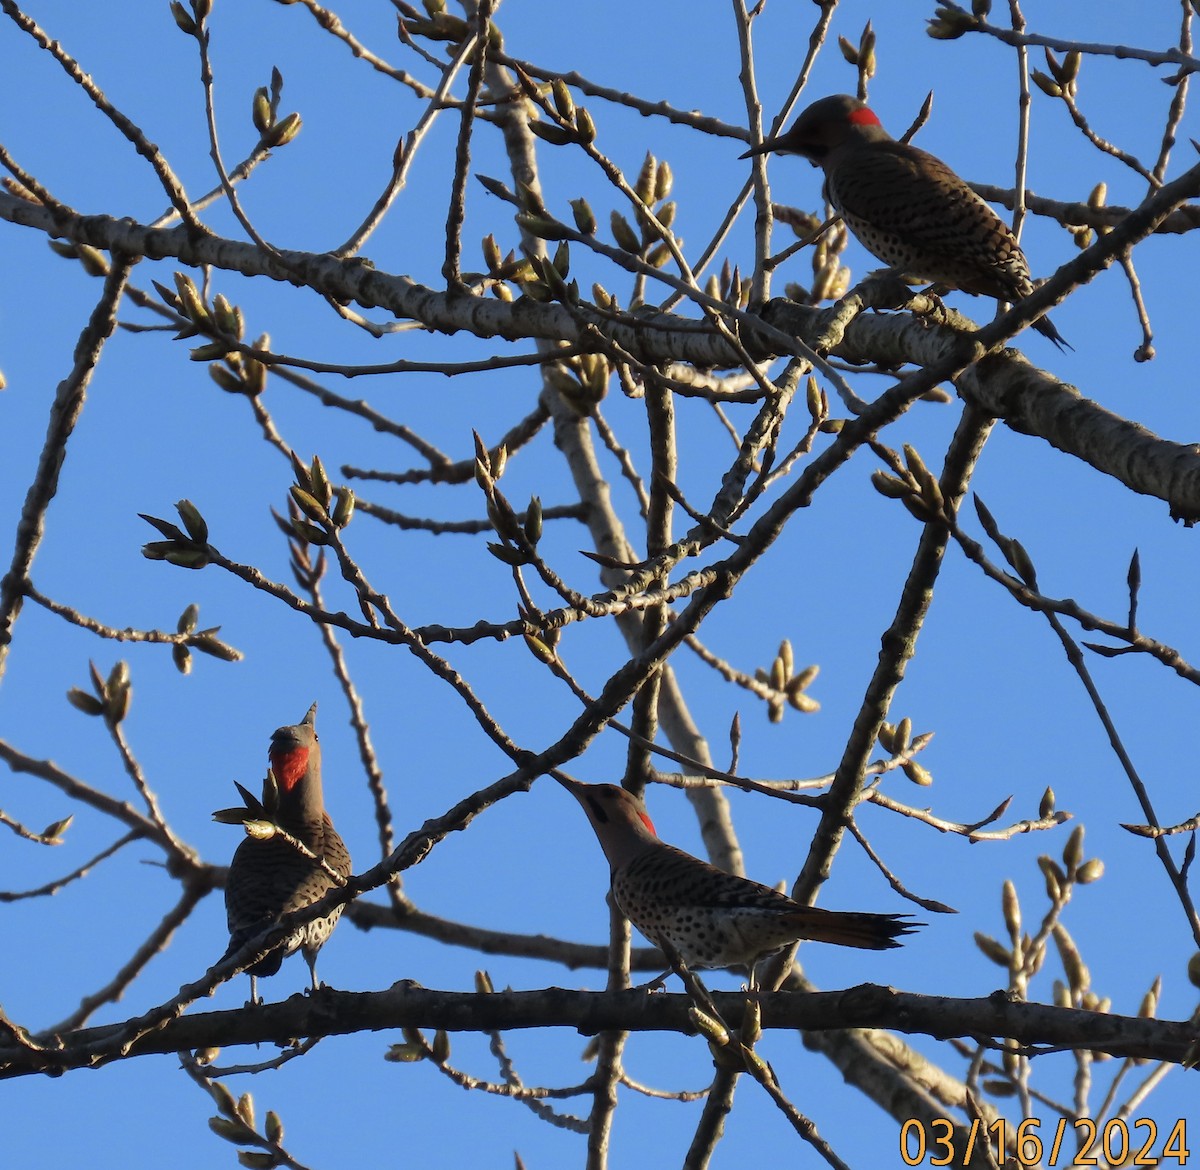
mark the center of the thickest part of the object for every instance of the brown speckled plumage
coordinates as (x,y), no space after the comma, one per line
(908,207)
(710,917)
(270,878)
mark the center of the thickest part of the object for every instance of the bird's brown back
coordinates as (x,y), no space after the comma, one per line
(912,211)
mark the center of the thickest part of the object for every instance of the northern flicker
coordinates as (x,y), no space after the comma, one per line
(710,918)
(268,878)
(906,206)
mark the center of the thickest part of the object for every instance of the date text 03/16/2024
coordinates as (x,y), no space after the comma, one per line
(1068,1143)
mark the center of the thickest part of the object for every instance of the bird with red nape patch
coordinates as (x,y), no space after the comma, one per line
(906,206)
(705,916)
(270,877)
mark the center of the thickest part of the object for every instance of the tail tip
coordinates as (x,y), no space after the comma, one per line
(1046,328)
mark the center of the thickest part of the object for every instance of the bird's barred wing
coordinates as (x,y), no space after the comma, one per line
(673,879)
(910,193)
(903,200)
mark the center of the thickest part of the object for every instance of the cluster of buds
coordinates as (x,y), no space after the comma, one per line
(224,326)
(729,285)
(571,124)
(652,188)
(206,641)
(190,22)
(544,278)
(188,550)
(518,536)
(319,509)
(257,817)
(1075,868)
(897,738)
(787,685)
(831,278)
(220,321)
(1023,956)
(237,373)
(1082,234)
(110,697)
(582,380)
(949,21)
(235,1122)
(273,130)
(862,56)
(540,278)
(306,568)
(1063,81)
(734,1052)
(915,486)
(415,1047)
(502,269)
(439,25)
(1076,990)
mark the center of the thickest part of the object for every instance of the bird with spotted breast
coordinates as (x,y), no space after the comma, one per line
(906,206)
(270,877)
(707,917)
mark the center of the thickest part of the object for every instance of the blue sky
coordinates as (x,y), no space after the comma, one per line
(989,679)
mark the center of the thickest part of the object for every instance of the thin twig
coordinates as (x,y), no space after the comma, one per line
(1088,48)
(171,184)
(474,46)
(442,469)
(358,720)
(199,639)
(899,644)
(1179,96)
(64,415)
(406,149)
(178,852)
(155,942)
(53,887)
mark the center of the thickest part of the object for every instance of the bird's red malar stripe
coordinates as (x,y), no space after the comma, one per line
(863,117)
(289,766)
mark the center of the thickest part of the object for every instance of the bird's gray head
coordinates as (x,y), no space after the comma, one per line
(293,749)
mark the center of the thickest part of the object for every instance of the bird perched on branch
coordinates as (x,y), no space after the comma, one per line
(701,914)
(271,875)
(906,206)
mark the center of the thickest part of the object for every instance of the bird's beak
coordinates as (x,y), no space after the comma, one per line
(572,786)
(775,142)
(764,147)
